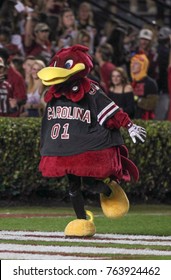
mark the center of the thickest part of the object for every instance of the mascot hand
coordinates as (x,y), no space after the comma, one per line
(136,131)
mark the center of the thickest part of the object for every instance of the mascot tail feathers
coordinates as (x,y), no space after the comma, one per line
(129,169)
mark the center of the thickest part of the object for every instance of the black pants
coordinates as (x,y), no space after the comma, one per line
(91,184)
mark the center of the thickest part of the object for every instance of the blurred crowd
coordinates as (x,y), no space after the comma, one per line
(132,65)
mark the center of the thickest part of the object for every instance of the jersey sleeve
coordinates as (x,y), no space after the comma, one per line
(120,119)
(106,108)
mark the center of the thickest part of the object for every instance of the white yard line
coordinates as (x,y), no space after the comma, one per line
(79,250)
(28,256)
(107,235)
(99,236)
(92,240)
(19,251)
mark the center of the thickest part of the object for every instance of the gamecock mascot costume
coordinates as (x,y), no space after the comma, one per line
(80,138)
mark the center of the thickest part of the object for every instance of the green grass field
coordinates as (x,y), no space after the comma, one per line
(141,219)
(153,220)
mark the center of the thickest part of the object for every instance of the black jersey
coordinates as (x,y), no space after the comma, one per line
(70,128)
(5,93)
(146,86)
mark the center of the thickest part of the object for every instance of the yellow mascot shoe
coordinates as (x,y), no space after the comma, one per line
(117,204)
(81,227)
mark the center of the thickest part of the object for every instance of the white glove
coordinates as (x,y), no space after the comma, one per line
(136,131)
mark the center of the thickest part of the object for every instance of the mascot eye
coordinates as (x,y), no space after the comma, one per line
(68,64)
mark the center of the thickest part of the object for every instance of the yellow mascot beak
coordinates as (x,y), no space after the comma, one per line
(56,75)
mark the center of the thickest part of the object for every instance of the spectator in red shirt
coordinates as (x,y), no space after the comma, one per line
(8,104)
(36,40)
(103,56)
(14,78)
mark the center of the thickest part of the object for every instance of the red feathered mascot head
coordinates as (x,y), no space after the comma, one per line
(68,64)
(67,73)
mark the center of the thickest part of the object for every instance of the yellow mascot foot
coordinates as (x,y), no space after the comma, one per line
(81,227)
(117,204)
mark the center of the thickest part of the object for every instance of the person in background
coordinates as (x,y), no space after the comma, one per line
(85,21)
(144,87)
(49,11)
(14,78)
(8,104)
(67,32)
(85,16)
(106,30)
(121,91)
(145,46)
(130,41)
(116,40)
(84,38)
(17,62)
(27,65)
(6,41)
(35,89)
(103,57)
(36,40)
